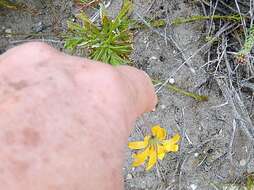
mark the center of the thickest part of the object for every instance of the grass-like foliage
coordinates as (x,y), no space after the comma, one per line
(8,4)
(249,42)
(174,88)
(233,18)
(250,182)
(247,46)
(110,41)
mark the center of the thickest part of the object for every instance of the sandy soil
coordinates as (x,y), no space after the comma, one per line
(205,127)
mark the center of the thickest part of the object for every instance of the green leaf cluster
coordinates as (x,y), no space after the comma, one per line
(110,41)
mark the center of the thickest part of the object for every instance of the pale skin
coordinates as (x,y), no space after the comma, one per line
(65,120)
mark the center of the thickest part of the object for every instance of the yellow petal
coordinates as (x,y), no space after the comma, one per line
(152,158)
(161,156)
(139,144)
(173,140)
(170,145)
(161,152)
(172,148)
(140,158)
(160,149)
(159,132)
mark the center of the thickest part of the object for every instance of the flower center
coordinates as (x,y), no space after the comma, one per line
(153,141)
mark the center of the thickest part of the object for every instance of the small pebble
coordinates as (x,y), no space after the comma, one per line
(171,81)
(162,59)
(143,184)
(129,176)
(38,27)
(153,58)
(163,106)
(242,162)
(192,70)
(8,30)
(193,186)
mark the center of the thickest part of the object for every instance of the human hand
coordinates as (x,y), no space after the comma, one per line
(65,120)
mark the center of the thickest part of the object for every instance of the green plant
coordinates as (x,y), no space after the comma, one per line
(247,46)
(153,23)
(83,1)
(178,21)
(174,88)
(84,4)
(17,6)
(109,42)
(250,182)
(8,4)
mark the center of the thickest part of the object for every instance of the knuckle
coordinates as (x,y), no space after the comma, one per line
(40,48)
(111,78)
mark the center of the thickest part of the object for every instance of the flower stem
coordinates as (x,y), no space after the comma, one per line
(197,97)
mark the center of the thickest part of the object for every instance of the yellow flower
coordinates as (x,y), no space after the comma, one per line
(155,147)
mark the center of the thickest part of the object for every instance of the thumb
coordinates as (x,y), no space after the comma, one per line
(143,92)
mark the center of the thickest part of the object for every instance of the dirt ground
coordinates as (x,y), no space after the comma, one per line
(208,155)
